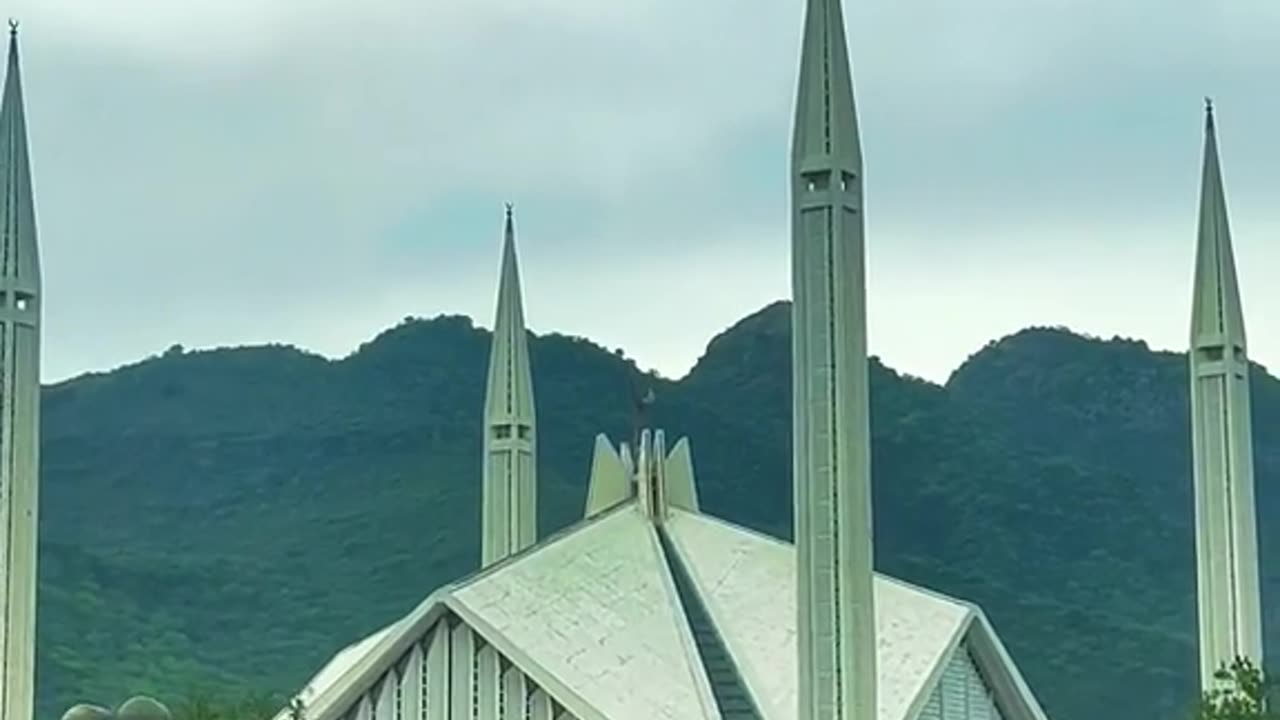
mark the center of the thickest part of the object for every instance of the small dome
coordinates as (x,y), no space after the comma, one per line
(84,711)
(141,707)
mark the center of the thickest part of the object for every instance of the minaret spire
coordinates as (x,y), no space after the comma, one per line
(831,442)
(509,496)
(19,401)
(1222,445)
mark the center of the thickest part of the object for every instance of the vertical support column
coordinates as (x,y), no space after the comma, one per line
(658,472)
(644,472)
(462,693)
(365,708)
(487,679)
(438,665)
(412,681)
(386,702)
(516,693)
(540,706)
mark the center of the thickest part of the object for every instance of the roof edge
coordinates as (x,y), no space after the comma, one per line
(543,542)
(1020,702)
(347,688)
(876,574)
(352,684)
(561,693)
(918,703)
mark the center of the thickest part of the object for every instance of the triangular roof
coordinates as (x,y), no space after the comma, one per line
(593,617)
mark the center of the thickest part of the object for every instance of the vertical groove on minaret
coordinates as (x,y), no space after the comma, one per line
(19,403)
(1233,550)
(833,401)
(1228,589)
(6,493)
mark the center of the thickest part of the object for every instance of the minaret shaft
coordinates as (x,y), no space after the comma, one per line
(1230,613)
(835,623)
(19,405)
(509,495)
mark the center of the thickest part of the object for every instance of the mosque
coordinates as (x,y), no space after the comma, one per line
(648,608)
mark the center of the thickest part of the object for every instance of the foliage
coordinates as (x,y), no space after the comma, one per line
(1241,696)
(205,705)
(229,519)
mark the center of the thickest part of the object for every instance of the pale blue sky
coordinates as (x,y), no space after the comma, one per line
(311,171)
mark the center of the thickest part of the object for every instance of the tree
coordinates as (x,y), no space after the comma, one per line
(1241,694)
(204,705)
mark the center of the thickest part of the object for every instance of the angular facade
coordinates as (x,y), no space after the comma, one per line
(509,498)
(649,609)
(1229,597)
(832,444)
(620,617)
(19,403)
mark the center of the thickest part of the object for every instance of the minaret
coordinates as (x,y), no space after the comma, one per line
(831,441)
(509,514)
(1222,445)
(19,402)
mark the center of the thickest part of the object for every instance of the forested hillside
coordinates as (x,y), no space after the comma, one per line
(225,520)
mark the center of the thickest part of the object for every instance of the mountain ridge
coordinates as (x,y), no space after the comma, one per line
(198,502)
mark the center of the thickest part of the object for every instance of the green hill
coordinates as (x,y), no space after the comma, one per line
(227,519)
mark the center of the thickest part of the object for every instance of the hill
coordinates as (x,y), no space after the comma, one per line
(227,519)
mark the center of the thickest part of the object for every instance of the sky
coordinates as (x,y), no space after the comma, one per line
(227,172)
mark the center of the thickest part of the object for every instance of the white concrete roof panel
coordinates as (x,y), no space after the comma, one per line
(747,581)
(595,609)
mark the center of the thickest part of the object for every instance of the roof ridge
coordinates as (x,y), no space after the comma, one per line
(764,536)
(733,695)
(542,543)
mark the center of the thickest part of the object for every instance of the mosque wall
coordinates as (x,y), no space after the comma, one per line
(452,674)
(962,693)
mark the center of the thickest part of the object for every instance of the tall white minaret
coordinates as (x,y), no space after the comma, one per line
(509,498)
(1222,444)
(831,442)
(19,403)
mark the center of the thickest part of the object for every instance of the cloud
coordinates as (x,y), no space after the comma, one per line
(233,171)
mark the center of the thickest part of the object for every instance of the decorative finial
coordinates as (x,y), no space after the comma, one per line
(510,207)
(1208,105)
(13,26)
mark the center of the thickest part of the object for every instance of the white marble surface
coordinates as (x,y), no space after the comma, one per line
(747,581)
(596,610)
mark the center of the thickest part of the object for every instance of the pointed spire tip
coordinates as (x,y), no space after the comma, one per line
(13,27)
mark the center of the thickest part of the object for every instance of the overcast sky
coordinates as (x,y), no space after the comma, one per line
(221,172)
